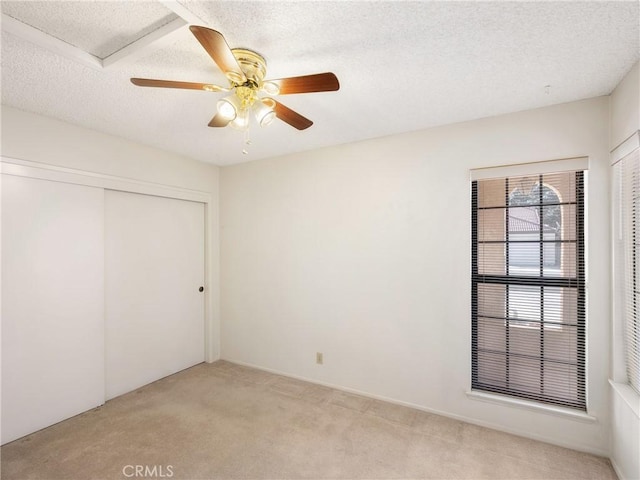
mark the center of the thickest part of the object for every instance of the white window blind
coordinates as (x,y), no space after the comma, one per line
(528,287)
(627,205)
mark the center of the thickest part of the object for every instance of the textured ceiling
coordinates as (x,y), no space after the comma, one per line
(403,66)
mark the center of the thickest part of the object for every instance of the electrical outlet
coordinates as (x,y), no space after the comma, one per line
(319,359)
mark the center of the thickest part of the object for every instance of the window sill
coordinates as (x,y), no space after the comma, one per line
(532,406)
(629,396)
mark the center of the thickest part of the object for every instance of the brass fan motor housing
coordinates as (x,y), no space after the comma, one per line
(252,64)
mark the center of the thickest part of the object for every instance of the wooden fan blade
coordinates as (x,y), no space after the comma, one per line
(217,47)
(291,117)
(319,82)
(219,121)
(149,82)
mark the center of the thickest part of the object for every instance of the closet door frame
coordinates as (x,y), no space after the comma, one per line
(26,168)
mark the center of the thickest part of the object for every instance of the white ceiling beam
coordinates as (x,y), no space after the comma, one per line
(176,7)
(53,44)
(159,38)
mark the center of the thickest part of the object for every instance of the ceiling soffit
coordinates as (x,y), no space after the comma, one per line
(97,34)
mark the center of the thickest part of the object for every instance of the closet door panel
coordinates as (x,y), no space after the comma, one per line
(52,302)
(154,251)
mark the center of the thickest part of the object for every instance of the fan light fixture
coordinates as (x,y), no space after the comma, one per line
(228,107)
(248,90)
(264,111)
(241,121)
(236,110)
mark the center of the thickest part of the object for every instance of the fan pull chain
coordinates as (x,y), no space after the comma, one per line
(246,141)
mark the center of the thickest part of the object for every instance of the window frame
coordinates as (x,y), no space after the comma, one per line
(578,282)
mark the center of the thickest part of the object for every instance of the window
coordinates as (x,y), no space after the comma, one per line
(528,287)
(627,249)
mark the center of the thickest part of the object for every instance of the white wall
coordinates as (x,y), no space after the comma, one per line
(362,252)
(625,107)
(26,136)
(625,403)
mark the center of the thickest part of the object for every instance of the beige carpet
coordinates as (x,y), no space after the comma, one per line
(223,421)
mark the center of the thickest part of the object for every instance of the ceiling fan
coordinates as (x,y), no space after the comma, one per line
(250,92)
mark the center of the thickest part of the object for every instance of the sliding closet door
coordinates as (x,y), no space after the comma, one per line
(154,268)
(52,303)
